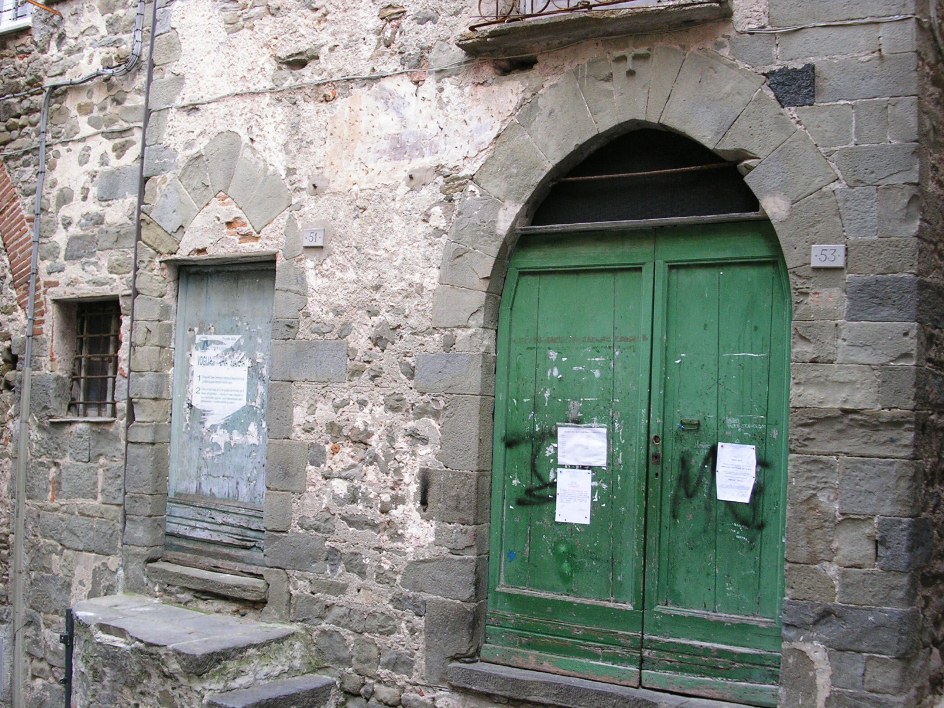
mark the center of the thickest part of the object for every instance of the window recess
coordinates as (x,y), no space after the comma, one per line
(95,359)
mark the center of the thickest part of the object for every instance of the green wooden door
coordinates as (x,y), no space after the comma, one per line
(673,340)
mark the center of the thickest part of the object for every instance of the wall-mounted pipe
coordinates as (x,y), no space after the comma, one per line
(26,377)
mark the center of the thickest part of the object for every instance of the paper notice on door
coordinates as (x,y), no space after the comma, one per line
(737,470)
(581,445)
(219,391)
(573,496)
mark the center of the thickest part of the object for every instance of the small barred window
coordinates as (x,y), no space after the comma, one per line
(95,365)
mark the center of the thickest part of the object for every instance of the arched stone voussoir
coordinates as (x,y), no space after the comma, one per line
(467,268)
(516,167)
(595,81)
(762,127)
(707,96)
(792,172)
(558,119)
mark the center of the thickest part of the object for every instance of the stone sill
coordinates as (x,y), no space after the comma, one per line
(237,587)
(541,34)
(554,690)
(60,420)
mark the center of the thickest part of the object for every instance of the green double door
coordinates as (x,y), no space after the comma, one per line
(673,340)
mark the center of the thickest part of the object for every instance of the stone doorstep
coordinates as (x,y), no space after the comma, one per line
(239,587)
(199,640)
(554,690)
(309,691)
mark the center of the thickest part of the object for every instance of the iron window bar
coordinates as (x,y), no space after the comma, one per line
(496,12)
(95,364)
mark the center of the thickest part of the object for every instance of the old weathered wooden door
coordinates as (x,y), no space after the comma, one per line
(674,340)
(218,434)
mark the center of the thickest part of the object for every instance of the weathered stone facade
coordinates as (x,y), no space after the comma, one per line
(265,119)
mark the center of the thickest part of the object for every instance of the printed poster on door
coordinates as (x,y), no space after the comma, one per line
(219,376)
(737,471)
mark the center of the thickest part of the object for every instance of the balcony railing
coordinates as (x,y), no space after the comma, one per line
(493,12)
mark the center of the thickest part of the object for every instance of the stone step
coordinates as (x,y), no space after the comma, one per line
(128,646)
(309,691)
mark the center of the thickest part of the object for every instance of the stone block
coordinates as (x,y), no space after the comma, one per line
(80,246)
(901,386)
(286,305)
(898,676)
(150,385)
(279,410)
(815,341)
(452,630)
(164,92)
(812,42)
(151,308)
(277,511)
(157,238)
(456,372)
(159,160)
(871,121)
(879,76)
(463,267)
(515,168)
(904,544)
(812,220)
(559,104)
(117,183)
(867,165)
(857,433)
(476,225)
(793,171)
(810,582)
(49,593)
(147,469)
(834,386)
(332,648)
(885,256)
(665,64)
(173,208)
(811,509)
(462,540)
(631,77)
(595,81)
(195,179)
(286,465)
(708,96)
(317,361)
(875,588)
(459,307)
(455,496)
(454,577)
(149,432)
(878,343)
(903,119)
(146,504)
(790,13)
(855,543)
(296,551)
(873,486)
(290,277)
(793,86)
(882,298)
(222,153)
(143,530)
(166,48)
(78,480)
(830,125)
(466,433)
(753,49)
(80,533)
(878,630)
(761,128)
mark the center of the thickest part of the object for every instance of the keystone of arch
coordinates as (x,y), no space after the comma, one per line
(226,165)
(699,94)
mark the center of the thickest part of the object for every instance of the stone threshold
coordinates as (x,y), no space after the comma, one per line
(566,691)
(229,585)
(310,691)
(198,640)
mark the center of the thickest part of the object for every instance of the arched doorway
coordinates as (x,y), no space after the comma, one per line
(643,373)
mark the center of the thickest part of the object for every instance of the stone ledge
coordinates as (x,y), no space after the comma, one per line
(542,34)
(310,690)
(199,641)
(239,587)
(551,689)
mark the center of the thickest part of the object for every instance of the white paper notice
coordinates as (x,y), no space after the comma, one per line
(219,377)
(573,496)
(737,470)
(581,446)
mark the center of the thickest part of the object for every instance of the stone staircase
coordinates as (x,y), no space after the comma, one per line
(134,650)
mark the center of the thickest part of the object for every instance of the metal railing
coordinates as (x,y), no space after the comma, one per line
(493,12)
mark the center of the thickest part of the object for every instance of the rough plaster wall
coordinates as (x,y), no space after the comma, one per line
(75,470)
(931,393)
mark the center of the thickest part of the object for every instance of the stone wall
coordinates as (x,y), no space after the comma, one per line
(365,119)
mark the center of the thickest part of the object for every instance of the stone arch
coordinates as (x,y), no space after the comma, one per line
(699,94)
(16,233)
(225,165)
